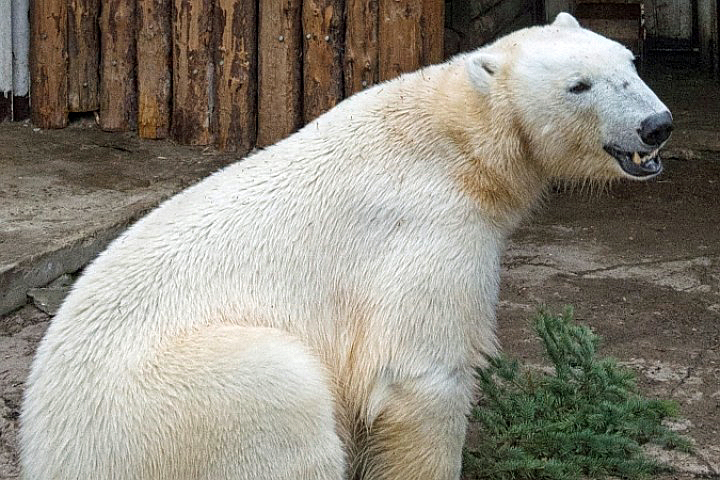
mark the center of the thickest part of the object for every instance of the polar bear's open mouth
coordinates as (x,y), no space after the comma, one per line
(637,164)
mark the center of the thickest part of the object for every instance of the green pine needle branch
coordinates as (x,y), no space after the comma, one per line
(585,420)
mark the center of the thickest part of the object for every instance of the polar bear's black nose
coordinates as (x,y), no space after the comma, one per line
(656,128)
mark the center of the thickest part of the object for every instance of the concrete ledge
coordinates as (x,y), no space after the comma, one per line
(64,195)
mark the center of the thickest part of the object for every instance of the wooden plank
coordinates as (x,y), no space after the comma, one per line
(433,31)
(192,71)
(235,47)
(322,22)
(48,67)
(154,68)
(399,37)
(279,70)
(361,45)
(6,68)
(21,57)
(118,93)
(83,49)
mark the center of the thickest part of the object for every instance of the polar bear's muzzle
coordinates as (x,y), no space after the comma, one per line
(654,132)
(637,164)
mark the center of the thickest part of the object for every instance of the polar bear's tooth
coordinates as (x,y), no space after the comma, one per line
(636,158)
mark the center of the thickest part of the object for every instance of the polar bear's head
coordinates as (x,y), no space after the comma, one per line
(576,99)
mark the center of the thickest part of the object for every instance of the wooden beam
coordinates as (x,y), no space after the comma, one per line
(192,67)
(154,68)
(399,37)
(235,47)
(279,70)
(48,63)
(118,93)
(433,31)
(83,55)
(323,31)
(361,45)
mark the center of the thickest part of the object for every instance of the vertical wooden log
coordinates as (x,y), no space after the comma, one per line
(322,22)
(21,53)
(433,31)
(48,67)
(400,38)
(118,93)
(279,70)
(361,45)
(192,72)
(6,68)
(83,55)
(154,68)
(235,48)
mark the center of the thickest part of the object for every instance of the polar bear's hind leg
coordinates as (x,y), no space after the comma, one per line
(242,403)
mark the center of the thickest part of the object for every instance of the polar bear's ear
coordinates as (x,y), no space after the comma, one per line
(482,67)
(564,19)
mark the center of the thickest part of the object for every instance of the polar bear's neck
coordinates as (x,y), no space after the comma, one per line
(480,140)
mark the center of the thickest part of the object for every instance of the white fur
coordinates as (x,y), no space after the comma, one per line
(314,311)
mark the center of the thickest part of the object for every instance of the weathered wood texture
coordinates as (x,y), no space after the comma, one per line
(83,43)
(399,37)
(474,23)
(279,70)
(192,72)
(154,68)
(48,67)
(235,46)
(361,45)
(323,27)
(433,30)
(6,68)
(118,93)
(21,53)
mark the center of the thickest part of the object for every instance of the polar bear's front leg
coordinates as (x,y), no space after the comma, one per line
(420,431)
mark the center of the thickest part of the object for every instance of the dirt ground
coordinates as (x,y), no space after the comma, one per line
(640,264)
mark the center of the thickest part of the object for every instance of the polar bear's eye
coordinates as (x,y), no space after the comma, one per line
(580,87)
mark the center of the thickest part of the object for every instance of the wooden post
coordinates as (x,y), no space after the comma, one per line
(235,48)
(83,55)
(433,31)
(361,45)
(399,37)
(279,70)
(48,67)
(154,68)
(322,22)
(6,68)
(192,71)
(21,53)
(118,95)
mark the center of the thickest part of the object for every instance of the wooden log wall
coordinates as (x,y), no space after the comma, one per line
(230,73)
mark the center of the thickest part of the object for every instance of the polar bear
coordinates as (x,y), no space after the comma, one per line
(316,310)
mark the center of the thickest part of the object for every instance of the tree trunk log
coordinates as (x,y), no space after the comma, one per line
(433,31)
(235,48)
(154,57)
(322,22)
(192,72)
(400,37)
(361,45)
(280,70)
(83,50)
(118,94)
(48,57)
